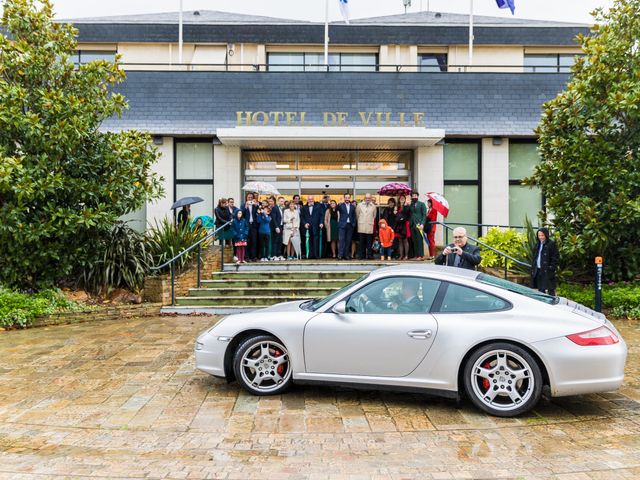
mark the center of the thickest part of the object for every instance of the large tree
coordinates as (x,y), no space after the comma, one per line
(63,182)
(590,148)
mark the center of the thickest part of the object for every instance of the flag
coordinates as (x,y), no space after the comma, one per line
(507,4)
(344,10)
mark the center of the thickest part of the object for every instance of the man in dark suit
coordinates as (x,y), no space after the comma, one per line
(461,254)
(312,221)
(250,212)
(277,226)
(346,223)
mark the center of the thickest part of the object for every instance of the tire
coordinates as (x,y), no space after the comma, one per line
(261,365)
(502,379)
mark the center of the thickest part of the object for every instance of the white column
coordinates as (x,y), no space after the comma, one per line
(495,181)
(428,175)
(227,173)
(161,208)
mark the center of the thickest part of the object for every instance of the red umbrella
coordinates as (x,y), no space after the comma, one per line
(440,204)
(395,189)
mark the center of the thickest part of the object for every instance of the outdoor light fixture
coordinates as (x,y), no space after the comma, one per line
(158,140)
(232,47)
(496,141)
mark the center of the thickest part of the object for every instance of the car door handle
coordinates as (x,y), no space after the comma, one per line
(420,334)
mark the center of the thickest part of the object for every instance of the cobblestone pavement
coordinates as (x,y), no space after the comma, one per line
(121,399)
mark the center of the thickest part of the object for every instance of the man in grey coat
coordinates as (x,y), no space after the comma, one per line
(461,254)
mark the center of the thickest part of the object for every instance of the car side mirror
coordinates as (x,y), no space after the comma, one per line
(340,308)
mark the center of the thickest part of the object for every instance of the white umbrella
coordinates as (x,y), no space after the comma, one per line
(295,241)
(261,187)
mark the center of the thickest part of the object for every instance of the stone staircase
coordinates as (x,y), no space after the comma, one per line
(240,288)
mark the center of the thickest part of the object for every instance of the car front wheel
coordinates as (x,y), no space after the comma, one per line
(503,379)
(261,364)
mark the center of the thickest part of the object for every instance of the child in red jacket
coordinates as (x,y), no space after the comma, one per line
(386,235)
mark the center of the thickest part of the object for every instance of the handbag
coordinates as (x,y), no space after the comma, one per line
(376,246)
(240,243)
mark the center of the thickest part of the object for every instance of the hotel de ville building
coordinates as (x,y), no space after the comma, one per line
(250,98)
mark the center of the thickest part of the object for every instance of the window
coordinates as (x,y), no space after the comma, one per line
(545,63)
(432,62)
(516,288)
(194,174)
(461,299)
(462,183)
(524,201)
(314,62)
(86,56)
(395,295)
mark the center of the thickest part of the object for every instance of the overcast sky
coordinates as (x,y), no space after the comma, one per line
(559,10)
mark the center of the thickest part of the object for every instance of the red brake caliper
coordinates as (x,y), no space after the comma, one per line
(280,368)
(485,381)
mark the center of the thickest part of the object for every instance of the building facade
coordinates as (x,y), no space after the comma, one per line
(250,98)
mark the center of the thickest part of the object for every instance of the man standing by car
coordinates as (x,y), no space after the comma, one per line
(418,218)
(366,216)
(461,254)
(545,262)
(346,222)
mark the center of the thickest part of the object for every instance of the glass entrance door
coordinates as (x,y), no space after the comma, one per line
(332,171)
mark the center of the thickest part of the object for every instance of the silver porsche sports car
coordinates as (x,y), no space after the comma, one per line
(440,330)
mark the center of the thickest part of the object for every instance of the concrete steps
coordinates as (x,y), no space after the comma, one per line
(246,287)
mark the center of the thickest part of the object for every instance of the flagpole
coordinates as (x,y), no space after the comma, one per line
(326,33)
(470,33)
(180,35)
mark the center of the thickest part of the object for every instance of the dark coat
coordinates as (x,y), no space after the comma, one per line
(342,211)
(549,259)
(314,219)
(389,216)
(223,215)
(470,258)
(240,229)
(254,212)
(276,218)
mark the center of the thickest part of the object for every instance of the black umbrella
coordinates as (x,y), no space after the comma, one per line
(186,201)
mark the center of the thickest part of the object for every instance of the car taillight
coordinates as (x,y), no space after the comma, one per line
(597,336)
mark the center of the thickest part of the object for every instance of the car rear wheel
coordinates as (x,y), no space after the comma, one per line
(503,379)
(261,364)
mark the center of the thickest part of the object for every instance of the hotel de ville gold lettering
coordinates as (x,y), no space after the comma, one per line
(330,119)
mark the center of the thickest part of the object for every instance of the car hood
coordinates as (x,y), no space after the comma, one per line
(285,306)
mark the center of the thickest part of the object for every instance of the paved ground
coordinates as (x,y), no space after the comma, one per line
(122,400)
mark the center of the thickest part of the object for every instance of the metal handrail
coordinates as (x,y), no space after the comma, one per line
(478,242)
(198,244)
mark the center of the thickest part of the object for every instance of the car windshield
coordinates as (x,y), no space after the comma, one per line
(516,288)
(318,303)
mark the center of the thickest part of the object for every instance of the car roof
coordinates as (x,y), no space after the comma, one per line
(439,271)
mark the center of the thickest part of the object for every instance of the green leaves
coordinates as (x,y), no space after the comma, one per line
(63,183)
(589,139)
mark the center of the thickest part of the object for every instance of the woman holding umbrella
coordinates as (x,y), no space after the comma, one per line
(432,216)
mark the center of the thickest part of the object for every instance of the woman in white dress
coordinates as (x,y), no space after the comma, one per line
(291,221)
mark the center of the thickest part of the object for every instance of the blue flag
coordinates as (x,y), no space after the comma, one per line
(507,4)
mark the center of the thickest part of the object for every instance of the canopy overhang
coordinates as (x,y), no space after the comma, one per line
(319,138)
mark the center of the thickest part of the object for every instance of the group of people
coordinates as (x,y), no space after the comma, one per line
(278,229)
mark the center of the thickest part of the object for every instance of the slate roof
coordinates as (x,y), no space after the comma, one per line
(424,28)
(451,19)
(469,104)
(201,17)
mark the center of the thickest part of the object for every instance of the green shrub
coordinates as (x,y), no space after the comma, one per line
(122,262)
(507,241)
(622,298)
(19,309)
(165,240)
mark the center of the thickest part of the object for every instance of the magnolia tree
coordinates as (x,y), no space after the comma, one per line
(63,182)
(590,148)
